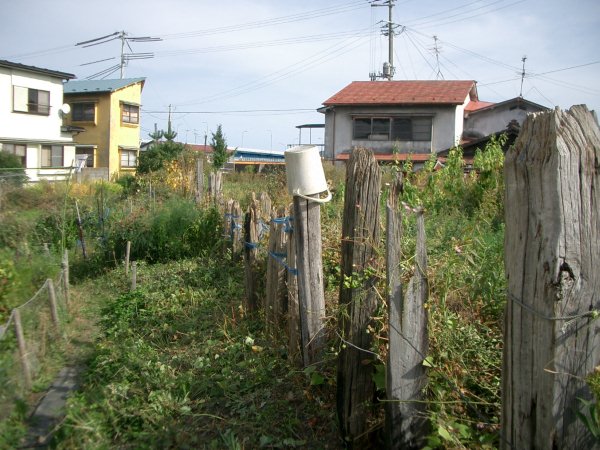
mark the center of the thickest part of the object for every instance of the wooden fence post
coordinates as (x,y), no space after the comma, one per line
(265,206)
(133,275)
(276,298)
(228,225)
(22,348)
(405,418)
(236,223)
(46,249)
(250,257)
(127,255)
(53,307)
(552,255)
(358,298)
(309,265)
(65,276)
(199,179)
(294,335)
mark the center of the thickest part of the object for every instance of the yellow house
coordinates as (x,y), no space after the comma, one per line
(108,114)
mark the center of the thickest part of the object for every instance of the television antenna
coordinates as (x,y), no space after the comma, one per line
(126,41)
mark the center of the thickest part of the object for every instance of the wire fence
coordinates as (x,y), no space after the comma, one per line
(31,334)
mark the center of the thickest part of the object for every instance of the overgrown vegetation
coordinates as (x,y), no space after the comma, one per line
(178,364)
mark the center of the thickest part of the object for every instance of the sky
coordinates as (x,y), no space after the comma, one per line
(260,68)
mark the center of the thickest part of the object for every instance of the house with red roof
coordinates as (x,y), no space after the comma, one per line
(413,119)
(396,118)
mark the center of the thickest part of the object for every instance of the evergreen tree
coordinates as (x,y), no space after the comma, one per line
(153,159)
(219,145)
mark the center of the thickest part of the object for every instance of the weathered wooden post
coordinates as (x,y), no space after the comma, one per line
(552,255)
(236,223)
(405,418)
(65,276)
(306,180)
(46,249)
(276,298)
(23,357)
(199,179)
(53,307)
(250,257)
(358,298)
(127,255)
(228,224)
(133,276)
(294,336)
(80,230)
(265,206)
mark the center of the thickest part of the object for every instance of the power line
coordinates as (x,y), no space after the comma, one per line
(231,111)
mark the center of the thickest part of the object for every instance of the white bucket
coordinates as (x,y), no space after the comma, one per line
(305,174)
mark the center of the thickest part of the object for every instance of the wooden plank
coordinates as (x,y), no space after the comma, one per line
(552,341)
(53,306)
(199,179)
(293,316)
(276,295)
(133,276)
(251,299)
(358,298)
(309,264)
(23,356)
(237,241)
(127,256)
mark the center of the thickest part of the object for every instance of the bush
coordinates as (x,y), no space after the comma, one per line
(11,169)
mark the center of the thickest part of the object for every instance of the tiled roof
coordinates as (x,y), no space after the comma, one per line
(86,86)
(33,69)
(474,106)
(404,93)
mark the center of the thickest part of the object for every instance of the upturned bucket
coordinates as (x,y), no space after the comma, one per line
(305,176)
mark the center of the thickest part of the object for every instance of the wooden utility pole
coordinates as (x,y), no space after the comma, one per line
(552,255)
(358,298)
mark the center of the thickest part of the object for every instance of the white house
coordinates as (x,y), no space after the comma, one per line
(31,120)
(396,119)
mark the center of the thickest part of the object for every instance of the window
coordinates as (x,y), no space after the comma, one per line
(85,153)
(32,101)
(19,150)
(52,156)
(130,113)
(128,158)
(83,112)
(392,128)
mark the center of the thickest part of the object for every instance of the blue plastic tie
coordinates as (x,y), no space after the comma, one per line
(279,258)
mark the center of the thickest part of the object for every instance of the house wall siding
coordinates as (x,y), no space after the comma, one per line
(447,121)
(492,120)
(35,130)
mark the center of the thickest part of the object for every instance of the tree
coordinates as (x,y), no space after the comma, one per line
(219,145)
(11,169)
(154,159)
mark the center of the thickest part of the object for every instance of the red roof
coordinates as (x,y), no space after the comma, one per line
(414,157)
(404,93)
(475,105)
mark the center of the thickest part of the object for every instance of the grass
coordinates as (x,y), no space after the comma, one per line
(179,365)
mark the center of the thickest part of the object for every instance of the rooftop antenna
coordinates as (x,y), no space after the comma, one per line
(436,49)
(388,29)
(524,58)
(125,57)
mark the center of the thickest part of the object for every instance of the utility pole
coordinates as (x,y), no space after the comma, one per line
(388,66)
(122,37)
(522,75)
(436,50)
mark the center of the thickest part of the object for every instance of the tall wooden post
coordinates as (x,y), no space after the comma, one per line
(236,223)
(23,357)
(405,417)
(276,298)
(294,337)
(358,298)
(309,264)
(250,258)
(127,256)
(552,256)
(199,179)
(65,276)
(53,307)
